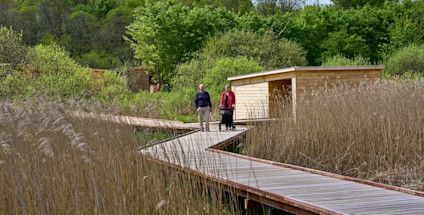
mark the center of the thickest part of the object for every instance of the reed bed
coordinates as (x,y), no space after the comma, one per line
(373,132)
(51,163)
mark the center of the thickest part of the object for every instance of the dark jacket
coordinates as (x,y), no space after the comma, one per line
(202,100)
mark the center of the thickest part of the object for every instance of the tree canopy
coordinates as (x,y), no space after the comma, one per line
(166,33)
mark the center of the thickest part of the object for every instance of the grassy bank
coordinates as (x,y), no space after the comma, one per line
(371,132)
(51,163)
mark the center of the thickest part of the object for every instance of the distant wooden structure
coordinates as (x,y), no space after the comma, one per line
(137,77)
(255,92)
(99,74)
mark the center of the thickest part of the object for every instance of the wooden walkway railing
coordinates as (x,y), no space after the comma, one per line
(287,187)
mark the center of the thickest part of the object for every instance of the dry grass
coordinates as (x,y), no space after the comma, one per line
(371,132)
(53,164)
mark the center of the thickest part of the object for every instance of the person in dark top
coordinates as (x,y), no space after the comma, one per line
(204,106)
(228,100)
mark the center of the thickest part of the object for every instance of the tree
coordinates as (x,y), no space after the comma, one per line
(238,6)
(28,25)
(80,33)
(358,3)
(112,30)
(269,51)
(52,14)
(167,33)
(12,49)
(406,25)
(342,43)
(8,17)
(100,8)
(271,7)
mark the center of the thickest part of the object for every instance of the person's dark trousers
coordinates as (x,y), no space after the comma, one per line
(228,118)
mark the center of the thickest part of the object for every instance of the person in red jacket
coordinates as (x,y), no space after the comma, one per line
(228,100)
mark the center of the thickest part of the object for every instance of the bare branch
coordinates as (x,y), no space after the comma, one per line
(285,26)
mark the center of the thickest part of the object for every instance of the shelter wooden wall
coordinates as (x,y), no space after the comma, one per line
(252,101)
(138,79)
(307,81)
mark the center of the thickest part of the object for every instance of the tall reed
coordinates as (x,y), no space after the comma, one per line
(374,132)
(51,163)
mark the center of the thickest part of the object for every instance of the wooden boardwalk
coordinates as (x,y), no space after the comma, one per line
(290,188)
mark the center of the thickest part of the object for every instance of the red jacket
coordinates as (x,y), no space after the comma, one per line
(231,100)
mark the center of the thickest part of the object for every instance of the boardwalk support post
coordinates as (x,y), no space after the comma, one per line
(251,204)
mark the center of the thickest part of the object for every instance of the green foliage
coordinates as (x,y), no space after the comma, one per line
(408,60)
(216,79)
(178,28)
(267,50)
(340,60)
(358,3)
(11,48)
(114,89)
(347,45)
(98,60)
(56,74)
(26,21)
(110,37)
(342,31)
(238,6)
(406,25)
(48,39)
(101,7)
(51,59)
(80,30)
(271,7)
(310,28)
(12,83)
(166,33)
(189,75)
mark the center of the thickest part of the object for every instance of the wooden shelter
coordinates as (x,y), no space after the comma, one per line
(255,92)
(138,78)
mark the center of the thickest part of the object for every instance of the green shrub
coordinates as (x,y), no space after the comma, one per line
(98,60)
(51,59)
(408,60)
(12,49)
(12,83)
(216,79)
(114,89)
(189,75)
(340,60)
(56,74)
